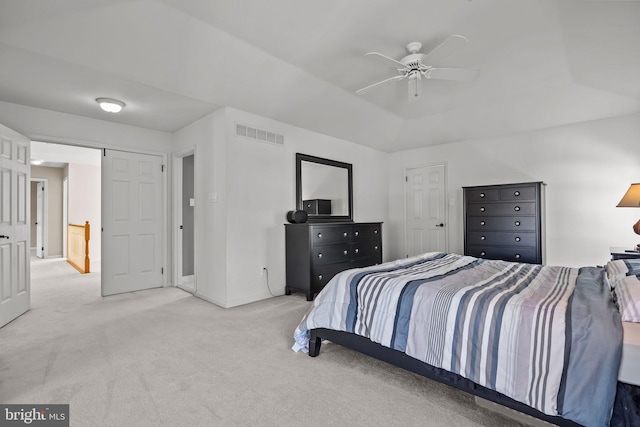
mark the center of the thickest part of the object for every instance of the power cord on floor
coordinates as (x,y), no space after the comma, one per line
(266,272)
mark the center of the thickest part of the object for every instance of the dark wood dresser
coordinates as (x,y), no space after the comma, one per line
(505,222)
(315,252)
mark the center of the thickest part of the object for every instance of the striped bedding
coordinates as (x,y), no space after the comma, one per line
(506,326)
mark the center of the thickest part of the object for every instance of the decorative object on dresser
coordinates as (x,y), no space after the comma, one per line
(315,252)
(317,206)
(631,199)
(297,217)
(505,222)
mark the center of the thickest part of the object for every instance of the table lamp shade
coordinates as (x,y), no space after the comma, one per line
(631,199)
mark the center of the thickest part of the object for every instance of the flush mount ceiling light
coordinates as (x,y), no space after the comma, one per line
(110,105)
(37,162)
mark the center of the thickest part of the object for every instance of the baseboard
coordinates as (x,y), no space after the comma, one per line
(235,302)
(209,299)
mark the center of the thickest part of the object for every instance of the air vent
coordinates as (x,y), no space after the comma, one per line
(259,134)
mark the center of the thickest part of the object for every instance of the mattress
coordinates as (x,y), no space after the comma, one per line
(630,367)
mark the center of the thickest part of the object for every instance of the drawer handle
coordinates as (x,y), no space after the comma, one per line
(482,209)
(517,208)
(320,255)
(344,234)
(517,223)
(517,256)
(319,276)
(344,252)
(375,248)
(481,195)
(483,253)
(357,233)
(308,205)
(356,251)
(517,239)
(375,231)
(482,222)
(319,235)
(516,193)
(483,238)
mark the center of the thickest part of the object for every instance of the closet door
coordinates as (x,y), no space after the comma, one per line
(132,218)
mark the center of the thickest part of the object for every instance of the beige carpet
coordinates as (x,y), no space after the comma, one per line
(164,358)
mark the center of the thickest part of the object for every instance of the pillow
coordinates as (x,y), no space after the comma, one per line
(621,268)
(627,291)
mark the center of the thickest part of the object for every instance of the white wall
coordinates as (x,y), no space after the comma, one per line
(254,185)
(85,193)
(587,168)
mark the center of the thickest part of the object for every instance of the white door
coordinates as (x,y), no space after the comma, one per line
(40,219)
(132,222)
(15,288)
(425,210)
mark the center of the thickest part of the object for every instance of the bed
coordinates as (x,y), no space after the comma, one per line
(543,340)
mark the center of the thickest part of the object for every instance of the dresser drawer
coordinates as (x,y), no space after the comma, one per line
(479,195)
(501,238)
(507,208)
(366,232)
(503,252)
(514,223)
(330,235)
(321,274)
(365,249)
(518,193)
(329,254)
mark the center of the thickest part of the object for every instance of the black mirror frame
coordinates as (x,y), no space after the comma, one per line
(323,218)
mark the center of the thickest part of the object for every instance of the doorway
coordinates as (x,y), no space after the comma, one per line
(425,210)
(184,211)
(39,217)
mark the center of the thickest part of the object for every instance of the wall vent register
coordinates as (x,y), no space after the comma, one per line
(257,134)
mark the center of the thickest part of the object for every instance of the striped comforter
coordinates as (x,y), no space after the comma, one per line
(506,326)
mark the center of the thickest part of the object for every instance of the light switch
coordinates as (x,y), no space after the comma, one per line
(192,202)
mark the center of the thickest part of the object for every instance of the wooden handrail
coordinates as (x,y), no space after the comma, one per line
(78,246)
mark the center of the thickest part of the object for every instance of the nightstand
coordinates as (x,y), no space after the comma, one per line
(624,253)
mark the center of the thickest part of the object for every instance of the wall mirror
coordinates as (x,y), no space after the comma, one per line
(324,189)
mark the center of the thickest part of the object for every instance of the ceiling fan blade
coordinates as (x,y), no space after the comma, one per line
(445,48)
(456,74)
(379,83)
(388,60)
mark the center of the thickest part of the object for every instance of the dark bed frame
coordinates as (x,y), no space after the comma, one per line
(397,358)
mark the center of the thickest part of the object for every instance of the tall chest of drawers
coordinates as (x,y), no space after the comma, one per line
(315,252)
(505,222)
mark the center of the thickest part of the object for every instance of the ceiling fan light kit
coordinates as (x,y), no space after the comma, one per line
(413,66)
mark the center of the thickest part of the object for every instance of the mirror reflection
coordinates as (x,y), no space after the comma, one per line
(324,188)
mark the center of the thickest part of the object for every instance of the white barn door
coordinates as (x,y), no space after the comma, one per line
(425,210)
(15,286)
(132,221)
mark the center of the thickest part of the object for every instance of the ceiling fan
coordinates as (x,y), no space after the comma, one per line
(414,68)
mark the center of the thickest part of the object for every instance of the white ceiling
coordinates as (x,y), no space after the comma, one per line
(542,63)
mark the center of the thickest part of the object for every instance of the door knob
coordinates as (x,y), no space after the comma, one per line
(2,236)
(440,225)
